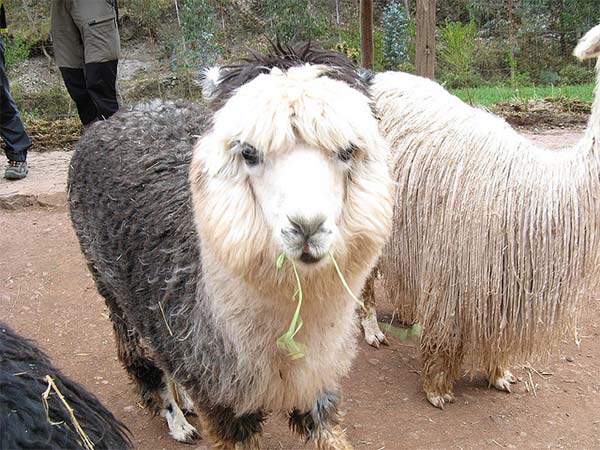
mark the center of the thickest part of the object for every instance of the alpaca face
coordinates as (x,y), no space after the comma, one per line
(302,193)
(283,167)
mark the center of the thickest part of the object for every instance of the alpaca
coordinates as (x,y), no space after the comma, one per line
(183,241)
(24,421)
(495,242)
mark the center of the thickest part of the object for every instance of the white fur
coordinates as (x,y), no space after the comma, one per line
(589,45)
(209,81)
(495,240)
(298,120)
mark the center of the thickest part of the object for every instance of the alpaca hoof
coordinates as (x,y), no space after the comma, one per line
(377,339)
(503,383)
(438,400)
(184,432)
(373,334)
(179,427)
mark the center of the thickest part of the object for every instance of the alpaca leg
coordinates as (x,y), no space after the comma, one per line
(501,378)
(157,392)
(224,431)
(179,427)
(440,371)
(322,424)
(184,400)
(368,319)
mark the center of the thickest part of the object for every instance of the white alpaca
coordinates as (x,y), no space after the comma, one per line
(495,241)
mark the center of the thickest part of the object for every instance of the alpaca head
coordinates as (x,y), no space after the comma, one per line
(589,45)
(293,163)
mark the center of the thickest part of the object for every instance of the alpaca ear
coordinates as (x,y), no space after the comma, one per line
(209,80)
(589,45)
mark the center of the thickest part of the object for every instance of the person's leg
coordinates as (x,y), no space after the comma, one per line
(96,20)
(16,140)
(68,50)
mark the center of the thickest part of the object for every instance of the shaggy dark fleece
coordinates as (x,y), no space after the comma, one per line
(283,57)
(23,420)
(141,245)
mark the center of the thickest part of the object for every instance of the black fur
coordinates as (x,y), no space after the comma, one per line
(284,57)
(235,429)
(23,421)
(308,424)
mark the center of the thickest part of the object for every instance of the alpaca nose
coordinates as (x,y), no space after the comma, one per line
(307,226)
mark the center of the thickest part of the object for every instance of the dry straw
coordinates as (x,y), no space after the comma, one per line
(85,440)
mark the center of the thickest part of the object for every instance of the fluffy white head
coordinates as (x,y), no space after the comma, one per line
(294,163)
(589,45)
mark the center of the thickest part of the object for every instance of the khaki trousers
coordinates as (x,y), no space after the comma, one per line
(83,32)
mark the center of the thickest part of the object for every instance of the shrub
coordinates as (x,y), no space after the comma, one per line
(548,77)
(396,36)
(573,74)
(16,50)
(457,53)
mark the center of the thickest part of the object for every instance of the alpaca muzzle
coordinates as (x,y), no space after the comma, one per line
(307,239)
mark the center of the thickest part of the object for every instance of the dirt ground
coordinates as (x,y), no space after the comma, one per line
(47,294)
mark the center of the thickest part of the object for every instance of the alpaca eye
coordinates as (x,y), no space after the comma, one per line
(250,154)
(346,154)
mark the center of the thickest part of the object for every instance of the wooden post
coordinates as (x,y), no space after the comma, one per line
(366,34)
(425,58)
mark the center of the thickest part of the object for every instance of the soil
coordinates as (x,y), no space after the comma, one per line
(47,294)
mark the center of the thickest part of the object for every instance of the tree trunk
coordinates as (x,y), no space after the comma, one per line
(366,34)
(425,57)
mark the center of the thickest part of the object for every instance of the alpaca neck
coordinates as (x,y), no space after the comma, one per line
(594,123)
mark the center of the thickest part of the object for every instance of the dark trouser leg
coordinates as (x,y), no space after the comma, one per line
(11,127)
(322,424)
(101,78)
(76,85)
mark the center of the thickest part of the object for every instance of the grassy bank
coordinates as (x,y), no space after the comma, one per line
(486,96)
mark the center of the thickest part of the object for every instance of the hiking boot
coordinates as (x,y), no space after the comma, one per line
(16,170)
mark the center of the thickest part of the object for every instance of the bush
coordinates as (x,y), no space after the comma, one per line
(150,15)
(396,35)
(457,52)
(16,50)
(548,77)
(573,74)
(51,102)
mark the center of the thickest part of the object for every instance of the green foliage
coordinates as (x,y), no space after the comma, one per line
(30,20)
(151,15)
(548,77)
(179,85)
(50,102)
(352,53)
(351,39)
(457,50)
(573,74)
(200,32)
(16,50)
(396,37)
(291,20)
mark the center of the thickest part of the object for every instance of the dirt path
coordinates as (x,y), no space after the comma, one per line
(47,294)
